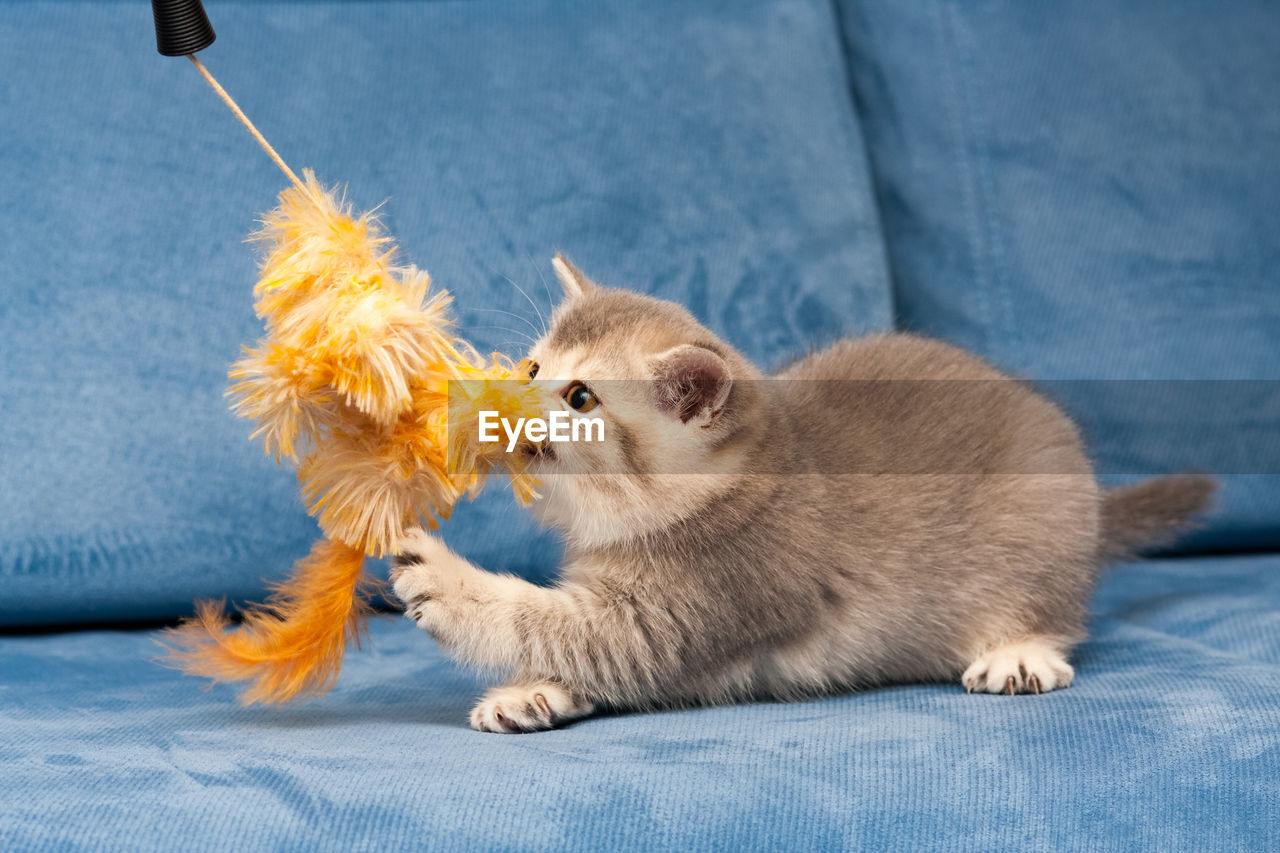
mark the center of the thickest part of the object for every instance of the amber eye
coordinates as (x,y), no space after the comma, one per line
(533,370)
(580,398)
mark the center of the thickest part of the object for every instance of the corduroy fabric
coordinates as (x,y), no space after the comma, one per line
(1089,191)
(702,151)
(1168,740)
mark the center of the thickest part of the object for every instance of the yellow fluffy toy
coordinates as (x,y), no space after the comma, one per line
(361,382)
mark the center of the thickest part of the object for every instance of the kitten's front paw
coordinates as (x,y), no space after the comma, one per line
(423,573)
(418,548)
(527,708)
(1031,666)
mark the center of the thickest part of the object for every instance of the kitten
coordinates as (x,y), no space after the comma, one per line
(746,538)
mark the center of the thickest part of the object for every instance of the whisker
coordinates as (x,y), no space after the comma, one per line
(524,320)
(551,300)
(520,332)
(537,310)
(531,341)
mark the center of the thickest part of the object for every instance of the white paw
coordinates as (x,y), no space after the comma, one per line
(423,573)
(1032,666)
(418,546)
(516,709)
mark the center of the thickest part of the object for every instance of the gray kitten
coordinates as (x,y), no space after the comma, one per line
(744,538)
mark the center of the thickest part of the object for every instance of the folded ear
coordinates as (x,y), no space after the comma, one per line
(571,278)
(691,382)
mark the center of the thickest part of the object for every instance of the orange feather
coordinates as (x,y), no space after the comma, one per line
(361,381)
(292,645)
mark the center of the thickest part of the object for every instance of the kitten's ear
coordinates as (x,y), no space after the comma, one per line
(692,382)
(575,284)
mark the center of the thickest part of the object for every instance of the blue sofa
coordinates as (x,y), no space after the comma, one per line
(1087,193)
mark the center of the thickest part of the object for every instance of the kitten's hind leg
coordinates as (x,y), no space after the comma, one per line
(517,708)
(1031,665)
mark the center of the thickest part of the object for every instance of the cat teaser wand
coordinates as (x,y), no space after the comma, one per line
(361,383)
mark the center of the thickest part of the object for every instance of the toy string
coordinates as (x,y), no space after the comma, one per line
(244,119)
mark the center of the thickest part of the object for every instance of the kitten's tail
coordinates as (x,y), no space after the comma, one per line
(1151,513)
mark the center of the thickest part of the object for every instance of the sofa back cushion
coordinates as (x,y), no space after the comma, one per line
(703,151)
(1089,193)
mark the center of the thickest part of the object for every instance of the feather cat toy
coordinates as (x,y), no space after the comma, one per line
(360,381)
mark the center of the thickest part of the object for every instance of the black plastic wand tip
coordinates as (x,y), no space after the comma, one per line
(182,27)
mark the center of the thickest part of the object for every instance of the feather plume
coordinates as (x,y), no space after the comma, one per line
(293,644)
(361,382)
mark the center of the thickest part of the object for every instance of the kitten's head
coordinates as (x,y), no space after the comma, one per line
(671,398)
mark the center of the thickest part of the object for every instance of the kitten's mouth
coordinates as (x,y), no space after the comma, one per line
(543,452)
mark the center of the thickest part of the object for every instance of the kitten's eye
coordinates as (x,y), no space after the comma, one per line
(533,370)
(580,398)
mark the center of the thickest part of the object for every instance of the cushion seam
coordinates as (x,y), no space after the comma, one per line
(864,162)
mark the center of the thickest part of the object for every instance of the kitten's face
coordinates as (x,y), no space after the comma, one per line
(660,383)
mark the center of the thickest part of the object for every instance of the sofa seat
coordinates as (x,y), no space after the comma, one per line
(1170,739)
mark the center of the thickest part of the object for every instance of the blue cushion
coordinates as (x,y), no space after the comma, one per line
(1090,191)
(1168,740)
(705,151)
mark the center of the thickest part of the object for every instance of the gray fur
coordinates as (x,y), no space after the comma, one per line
(1151,513)
(786,573)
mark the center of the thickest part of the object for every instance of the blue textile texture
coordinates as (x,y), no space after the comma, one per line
(1091,192)
(704,151)
(1081,191)
(1168,740)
